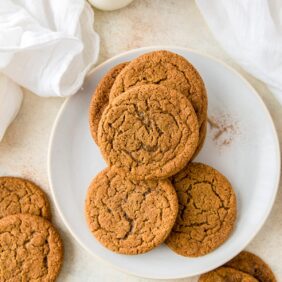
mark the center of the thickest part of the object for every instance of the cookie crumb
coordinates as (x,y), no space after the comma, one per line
(212,123)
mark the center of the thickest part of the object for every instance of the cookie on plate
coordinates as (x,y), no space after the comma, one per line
(18,195)
(100,98)
(171,70)
(150,132)
(226,274)
(129,216)
(168,69)
(202,138)
(252,265)
(30,249)
(207,210)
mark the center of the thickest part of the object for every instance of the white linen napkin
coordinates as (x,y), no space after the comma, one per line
(11,96)
(251,32)
(46,46)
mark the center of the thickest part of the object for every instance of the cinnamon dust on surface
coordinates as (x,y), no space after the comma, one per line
(224,129)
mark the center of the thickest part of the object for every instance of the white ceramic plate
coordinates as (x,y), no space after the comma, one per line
(247,153)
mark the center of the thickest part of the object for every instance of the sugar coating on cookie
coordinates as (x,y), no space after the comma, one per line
(128,216)
(207,210)
(224,274)
(150,131)
(18,195)
(253,265)
(30,249)
(168,69)
(100,98)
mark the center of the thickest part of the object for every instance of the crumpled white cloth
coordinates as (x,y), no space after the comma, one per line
(11,96)
(251,33)
(46,46)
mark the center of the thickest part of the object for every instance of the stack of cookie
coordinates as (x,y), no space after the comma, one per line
(149,118)
(30,246)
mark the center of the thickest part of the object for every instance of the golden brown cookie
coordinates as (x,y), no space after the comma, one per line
(18,195)
(100,98)
(128,216)
(202,138)
(150,131)
(30,249)
(252,265)
(226,274)
(167,69)
(207,210)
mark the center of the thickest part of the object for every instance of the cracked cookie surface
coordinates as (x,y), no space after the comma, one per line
(168,69)
(252,265)
(207,210)
(129,216)
(226,274)
(150,131)
(100,98)
(18,195)
(30,249)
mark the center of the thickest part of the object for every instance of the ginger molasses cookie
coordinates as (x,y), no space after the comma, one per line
(226,274)
(128,216)
(207,210)
(252,265)
(30,249)
(202,138)
(100,98)
(18,195)
(167,69)
(150,132)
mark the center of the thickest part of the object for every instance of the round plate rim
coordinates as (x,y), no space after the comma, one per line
(235,72)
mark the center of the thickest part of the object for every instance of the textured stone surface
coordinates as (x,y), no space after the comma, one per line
(142,23)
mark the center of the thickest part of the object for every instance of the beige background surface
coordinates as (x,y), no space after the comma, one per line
(23,151)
